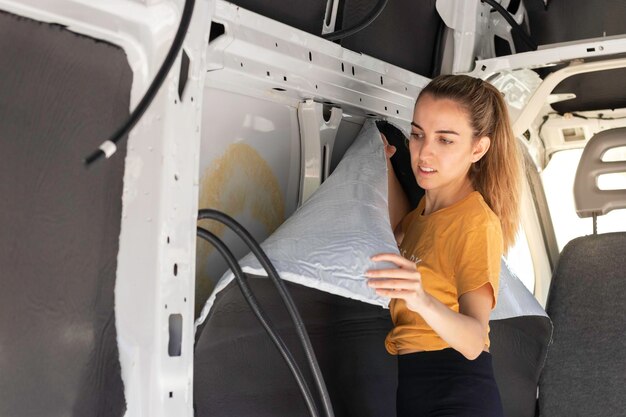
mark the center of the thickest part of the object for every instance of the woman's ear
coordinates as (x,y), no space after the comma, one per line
(480,148)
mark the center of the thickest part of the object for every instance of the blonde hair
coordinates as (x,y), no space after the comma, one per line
(497,175)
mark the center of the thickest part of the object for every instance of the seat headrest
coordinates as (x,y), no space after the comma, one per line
(590,199)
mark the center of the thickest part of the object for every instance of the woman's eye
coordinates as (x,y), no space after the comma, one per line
(445,141)
(416,135)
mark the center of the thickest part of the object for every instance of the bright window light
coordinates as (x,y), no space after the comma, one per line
(558,181)
(520,261)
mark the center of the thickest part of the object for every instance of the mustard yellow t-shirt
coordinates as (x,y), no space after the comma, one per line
(457,249)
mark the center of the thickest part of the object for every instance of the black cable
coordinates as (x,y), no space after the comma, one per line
(248,295)
(284,294)
(108,147)
(600,116)
(514,26)
(545,119)
(367,20)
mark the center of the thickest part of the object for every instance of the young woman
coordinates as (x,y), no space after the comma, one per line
(445,284)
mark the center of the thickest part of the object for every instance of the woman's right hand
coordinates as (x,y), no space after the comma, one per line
(402,282)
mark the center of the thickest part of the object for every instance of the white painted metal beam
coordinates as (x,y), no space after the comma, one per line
(549,55)
(263,57)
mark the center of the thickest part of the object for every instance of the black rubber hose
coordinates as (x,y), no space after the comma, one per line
(514,26)
(284,294)
(143,105)
(367,20)
(248,295)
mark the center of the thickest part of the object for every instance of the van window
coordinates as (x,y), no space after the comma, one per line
(520,261)
(558,181)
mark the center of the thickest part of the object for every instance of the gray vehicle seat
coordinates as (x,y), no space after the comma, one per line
(585,371)
(520,334)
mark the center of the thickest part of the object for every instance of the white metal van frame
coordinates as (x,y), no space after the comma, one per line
(257,57)
(528,96)
(155,275)
(158,210)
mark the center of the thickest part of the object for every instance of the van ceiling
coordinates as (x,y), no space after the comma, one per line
(405,33)
(594,91)
(573,20)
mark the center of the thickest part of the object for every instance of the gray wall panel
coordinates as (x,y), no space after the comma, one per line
(60,95)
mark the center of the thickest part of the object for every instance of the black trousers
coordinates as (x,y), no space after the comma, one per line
(444,383)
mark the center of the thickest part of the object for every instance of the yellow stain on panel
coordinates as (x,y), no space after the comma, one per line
(239,181)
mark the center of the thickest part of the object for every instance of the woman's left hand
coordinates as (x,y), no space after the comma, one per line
(403,282)
(389,149)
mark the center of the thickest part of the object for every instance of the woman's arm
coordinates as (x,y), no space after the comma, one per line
(464,331)
(397,199)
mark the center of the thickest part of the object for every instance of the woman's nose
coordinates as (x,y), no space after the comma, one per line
(425,148)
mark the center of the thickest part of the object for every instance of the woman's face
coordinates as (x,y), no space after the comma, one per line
(442,145)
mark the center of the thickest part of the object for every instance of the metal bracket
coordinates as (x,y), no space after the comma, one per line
(474,28)
(498,26)
(317,136)
(468,21)
(330,18)
(556,98)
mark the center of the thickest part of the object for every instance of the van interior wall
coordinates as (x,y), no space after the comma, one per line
(250,168)
(61,92)
(405,34)
(272,95)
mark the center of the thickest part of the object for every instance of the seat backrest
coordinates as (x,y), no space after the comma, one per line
(520,335)
(585,369)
